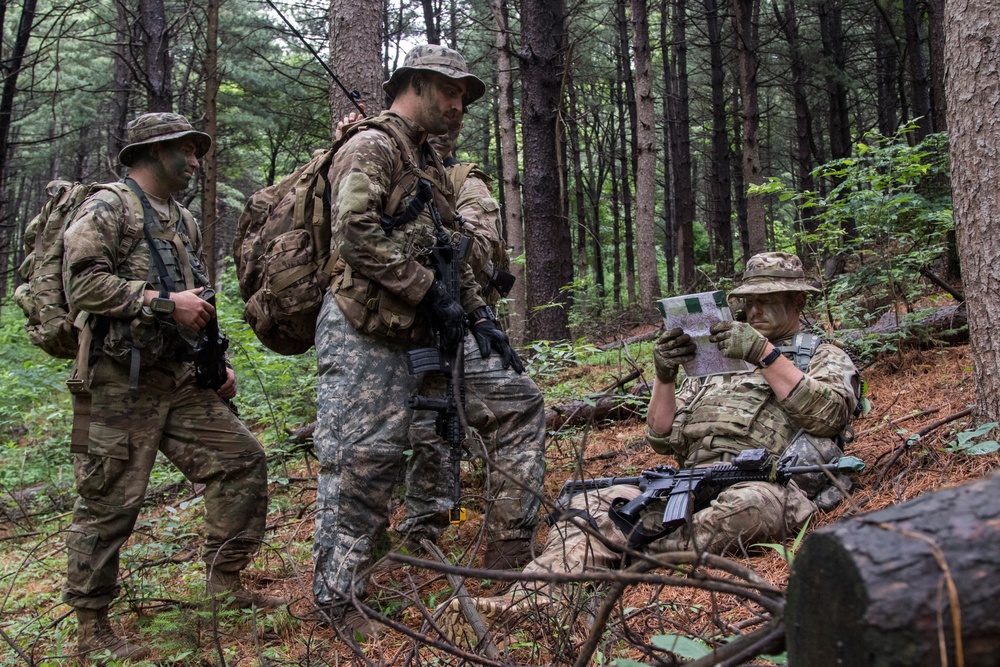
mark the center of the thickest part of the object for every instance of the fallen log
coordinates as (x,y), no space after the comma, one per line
(922,328)
(914,585)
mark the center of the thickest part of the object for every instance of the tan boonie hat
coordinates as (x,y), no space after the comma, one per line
(151,128)
(438,59)
(773,272)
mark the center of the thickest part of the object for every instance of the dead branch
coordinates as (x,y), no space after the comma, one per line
(912,440)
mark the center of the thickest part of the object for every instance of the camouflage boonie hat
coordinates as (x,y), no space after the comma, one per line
(773,272)
(151,128)
(438,59)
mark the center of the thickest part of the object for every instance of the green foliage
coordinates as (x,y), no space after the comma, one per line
(896,199)
(544,359)
(969,441)
(786,552)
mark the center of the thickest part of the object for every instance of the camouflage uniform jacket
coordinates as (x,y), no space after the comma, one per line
(102,284)
(481,214)
(721,415)
(364,172)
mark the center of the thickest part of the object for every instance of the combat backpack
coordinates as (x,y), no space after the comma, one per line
(282,249)
(52,323)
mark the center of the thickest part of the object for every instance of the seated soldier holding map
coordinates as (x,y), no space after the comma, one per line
(800,391)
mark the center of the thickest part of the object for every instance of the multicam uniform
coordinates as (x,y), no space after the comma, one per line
(505,408)
(368,321)
(716,419)
(167,411)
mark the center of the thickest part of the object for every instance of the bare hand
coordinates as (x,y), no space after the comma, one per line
(352,117)
(228,388)
(191,310)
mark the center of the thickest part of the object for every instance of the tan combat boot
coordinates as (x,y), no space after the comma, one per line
(94,635)
(227,589)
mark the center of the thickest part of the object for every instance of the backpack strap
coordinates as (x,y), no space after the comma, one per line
(458,174)
(801,349)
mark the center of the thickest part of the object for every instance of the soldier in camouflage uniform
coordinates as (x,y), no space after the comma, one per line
(505,408)
(140,385)
(710,421)
(383,300)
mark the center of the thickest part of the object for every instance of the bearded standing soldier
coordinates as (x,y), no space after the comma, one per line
(140,383)
(708,423)
(384,298)
(505,408)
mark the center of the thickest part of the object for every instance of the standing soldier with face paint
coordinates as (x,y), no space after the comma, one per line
(145,310)
(391,197)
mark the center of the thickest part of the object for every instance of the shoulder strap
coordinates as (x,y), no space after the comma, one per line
(459,173)
(801,349)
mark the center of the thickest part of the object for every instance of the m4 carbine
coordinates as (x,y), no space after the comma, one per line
(691,489)
(446,359)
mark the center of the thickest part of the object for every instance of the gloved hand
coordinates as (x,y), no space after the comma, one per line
(447,313)
(672,349)
(489,337)
(738,340)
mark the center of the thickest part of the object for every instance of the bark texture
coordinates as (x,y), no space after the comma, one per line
(913,585)
(972,60)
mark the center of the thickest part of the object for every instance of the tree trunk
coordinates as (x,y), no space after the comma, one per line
(718,202)
(547,242)
(935,33)
(669,112)
(885,589)
(11,68)
(745,14)
(625,102)
(432,22)
(645,182)
(920,91)
(886,73)
(802,149)
(356,57)
(739,186)
(510,175)
(683,188)
(209,164)
(122,83)
(156,53)
(579,203)
(974,119)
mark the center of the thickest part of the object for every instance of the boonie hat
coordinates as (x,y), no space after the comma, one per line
(151,128)
(773,272)
(438,59)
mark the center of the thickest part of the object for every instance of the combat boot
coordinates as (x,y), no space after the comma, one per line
(348,621)
(507,554)
(94,635)
(227,589)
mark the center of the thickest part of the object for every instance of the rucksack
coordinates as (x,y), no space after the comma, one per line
(282,249)
(52,324)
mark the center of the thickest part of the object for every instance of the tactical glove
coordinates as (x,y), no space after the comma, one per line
(489,337)
(738,340)
(447,313)
(672,349)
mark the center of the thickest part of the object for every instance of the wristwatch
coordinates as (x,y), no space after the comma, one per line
(769,359)
(162,305)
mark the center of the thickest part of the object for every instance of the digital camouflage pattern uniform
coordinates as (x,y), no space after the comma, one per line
(505,408)
(168,412)
(716,418)
(368,321)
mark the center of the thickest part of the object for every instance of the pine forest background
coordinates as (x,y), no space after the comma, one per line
(637,128)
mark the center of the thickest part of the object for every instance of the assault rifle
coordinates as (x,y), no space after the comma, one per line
(691,489)
(209,355)
(445,358)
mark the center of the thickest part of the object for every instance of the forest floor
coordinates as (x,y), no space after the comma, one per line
(162,602)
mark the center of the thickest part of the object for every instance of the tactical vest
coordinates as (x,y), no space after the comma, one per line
(365,303)
(730,413)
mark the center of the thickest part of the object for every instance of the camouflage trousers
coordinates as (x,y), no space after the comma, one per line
(197,432)
(507,412)
(361,442)
(741,515)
